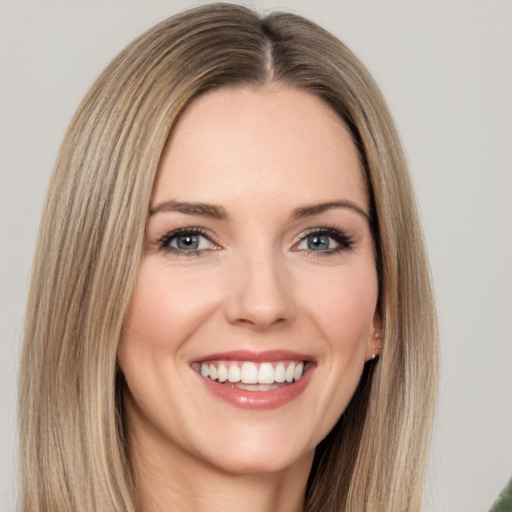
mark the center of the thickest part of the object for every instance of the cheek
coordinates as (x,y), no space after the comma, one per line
(344,308)
(167,307)
(343,314)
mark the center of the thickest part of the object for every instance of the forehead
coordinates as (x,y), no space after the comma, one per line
(260,142)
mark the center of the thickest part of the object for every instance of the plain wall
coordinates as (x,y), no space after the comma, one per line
(446,71)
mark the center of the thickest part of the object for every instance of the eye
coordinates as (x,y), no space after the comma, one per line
(324,241)
(317,243)
(187,241)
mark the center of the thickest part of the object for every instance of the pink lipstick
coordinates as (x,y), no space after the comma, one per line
(255,380)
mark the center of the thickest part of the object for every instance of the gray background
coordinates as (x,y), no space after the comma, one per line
(446,71)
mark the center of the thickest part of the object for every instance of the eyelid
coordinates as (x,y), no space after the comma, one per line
(345,242)
(164,242)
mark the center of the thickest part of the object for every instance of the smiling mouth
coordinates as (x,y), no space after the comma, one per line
(252,376)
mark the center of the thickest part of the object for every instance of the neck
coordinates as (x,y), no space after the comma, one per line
(168,479)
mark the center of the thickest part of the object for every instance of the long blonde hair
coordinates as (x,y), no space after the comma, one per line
(73,455)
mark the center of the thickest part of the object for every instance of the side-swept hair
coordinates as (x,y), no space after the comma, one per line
(73,454)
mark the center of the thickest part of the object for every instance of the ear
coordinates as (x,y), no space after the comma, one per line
(376,339)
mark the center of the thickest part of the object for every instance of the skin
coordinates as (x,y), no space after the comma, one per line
(259,154)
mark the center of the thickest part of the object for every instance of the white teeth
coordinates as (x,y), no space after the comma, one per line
(222,373)
(234,373)
(297,374)
(290,371)
(249,373)
(257,375)
(256,387)
(266,374)
(267,387)
(280,373)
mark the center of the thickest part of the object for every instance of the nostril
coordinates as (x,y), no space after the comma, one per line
(260,295)
(258,322)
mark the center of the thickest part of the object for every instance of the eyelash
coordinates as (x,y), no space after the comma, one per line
(165,242)
(344,241)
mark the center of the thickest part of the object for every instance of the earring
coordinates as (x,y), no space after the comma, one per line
(378,335)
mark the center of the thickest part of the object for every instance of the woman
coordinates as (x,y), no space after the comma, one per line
(230,302)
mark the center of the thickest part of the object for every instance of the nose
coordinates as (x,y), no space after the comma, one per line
(261,292)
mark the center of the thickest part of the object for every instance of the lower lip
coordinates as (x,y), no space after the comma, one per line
(259,400)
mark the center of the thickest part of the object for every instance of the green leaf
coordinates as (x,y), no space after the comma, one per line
(504,501)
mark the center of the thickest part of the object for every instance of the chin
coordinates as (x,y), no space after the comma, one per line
(261,451)
(263,461)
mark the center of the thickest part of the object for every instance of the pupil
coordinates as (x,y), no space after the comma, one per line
(188,242)
(318,242)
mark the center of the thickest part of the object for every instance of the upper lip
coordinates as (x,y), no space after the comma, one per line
(255,356)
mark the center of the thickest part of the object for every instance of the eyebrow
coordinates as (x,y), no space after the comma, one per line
(203,209)
(307,211)
(219,213)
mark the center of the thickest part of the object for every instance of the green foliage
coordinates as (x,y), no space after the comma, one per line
(504,501)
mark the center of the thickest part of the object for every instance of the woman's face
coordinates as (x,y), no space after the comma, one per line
(258,270)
